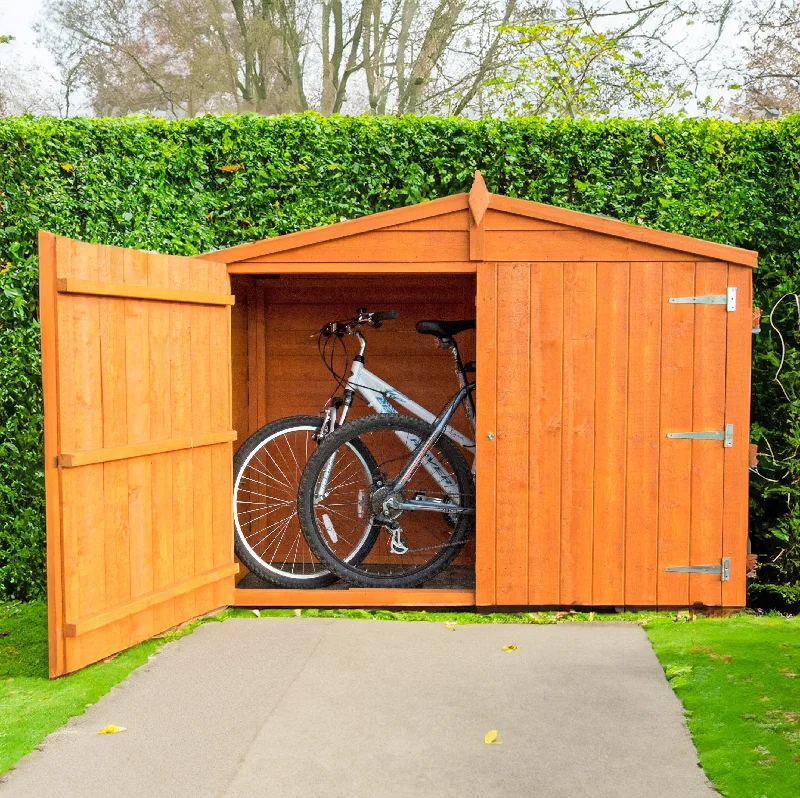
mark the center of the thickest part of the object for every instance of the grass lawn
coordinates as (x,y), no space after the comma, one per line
(738,678)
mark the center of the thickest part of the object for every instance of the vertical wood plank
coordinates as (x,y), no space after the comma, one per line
(262,389)
(201,423)
(675,455)
(577,442)
(644,390)
(183,525)
(87,514)
(513,384)
(115,433)
(544,463)
(737,412)
(252,357)
(137,371)
(158,267)
(221,454)
(611,384)
(486,424)
(50,390)
(708,457)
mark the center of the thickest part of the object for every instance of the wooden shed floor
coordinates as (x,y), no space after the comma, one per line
(456,577)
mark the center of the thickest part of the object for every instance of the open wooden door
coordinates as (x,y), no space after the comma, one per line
(136,377)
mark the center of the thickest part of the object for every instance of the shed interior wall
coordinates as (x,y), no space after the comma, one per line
(276,367)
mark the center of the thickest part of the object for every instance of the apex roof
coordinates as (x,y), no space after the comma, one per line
(478,201)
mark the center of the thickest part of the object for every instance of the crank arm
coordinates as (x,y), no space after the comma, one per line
(435,507)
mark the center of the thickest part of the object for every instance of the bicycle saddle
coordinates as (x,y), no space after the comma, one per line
(444,329)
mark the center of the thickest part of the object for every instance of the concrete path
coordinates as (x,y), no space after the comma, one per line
(327,707)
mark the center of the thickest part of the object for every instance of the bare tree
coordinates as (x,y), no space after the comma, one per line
(769,76)
(183,57)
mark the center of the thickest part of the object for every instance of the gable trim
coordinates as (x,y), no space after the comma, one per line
(318,235)
(613,227)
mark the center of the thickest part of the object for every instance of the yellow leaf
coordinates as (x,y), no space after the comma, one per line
(451,625)
(658,138)
(231,167)
(112,729)
(490,738)
(512,647)
(67,167)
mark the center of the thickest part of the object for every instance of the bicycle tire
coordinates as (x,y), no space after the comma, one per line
(301,569)
(372,570)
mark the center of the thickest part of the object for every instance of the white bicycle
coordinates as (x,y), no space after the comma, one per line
(268,466)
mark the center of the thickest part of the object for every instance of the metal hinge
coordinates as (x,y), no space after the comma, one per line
(728,299)
(723,569)
(724,435)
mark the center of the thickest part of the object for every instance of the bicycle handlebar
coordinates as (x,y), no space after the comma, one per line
(351,325)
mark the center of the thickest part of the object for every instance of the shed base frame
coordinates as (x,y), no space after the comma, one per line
(398,599)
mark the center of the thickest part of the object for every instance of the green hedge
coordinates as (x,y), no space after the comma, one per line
(141,182)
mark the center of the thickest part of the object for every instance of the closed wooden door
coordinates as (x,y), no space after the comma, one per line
(136,377)
(585,370)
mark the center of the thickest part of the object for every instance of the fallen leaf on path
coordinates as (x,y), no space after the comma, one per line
(112,729)
(512,647)
(490,738)
(451,625)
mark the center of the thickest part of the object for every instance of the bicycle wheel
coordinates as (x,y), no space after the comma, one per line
(336,495)
(266,475)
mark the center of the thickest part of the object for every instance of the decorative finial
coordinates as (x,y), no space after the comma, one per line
(478,198)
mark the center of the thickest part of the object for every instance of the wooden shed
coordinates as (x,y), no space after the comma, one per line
(613,371)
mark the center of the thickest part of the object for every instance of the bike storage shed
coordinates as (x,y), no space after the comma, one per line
(613,373)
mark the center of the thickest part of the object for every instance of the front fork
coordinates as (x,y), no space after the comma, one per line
(329,424)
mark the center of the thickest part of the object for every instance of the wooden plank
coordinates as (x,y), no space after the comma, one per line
(737,412)
(86,513)
(573,246)
(50,390)
(181,366)
(577,437)
(477,238)
(642,456)
(115,433)
(350,227)
(67,390)
(158,267)
(81,626)
(385,246)
(201,333)
(513,384)
(485,435)
(675,455)
(498,220)
(708,457)
(137,380)
(611,388)
(612,227)
(76,459)
(394,598)
(456,220)
(221,454)
(252,357)
(260,372)
(322,266)
(68,285)
(544,464)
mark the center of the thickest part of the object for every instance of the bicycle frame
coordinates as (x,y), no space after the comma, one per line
(377,393)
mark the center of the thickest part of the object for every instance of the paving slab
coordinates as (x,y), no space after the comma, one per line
(333,707)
